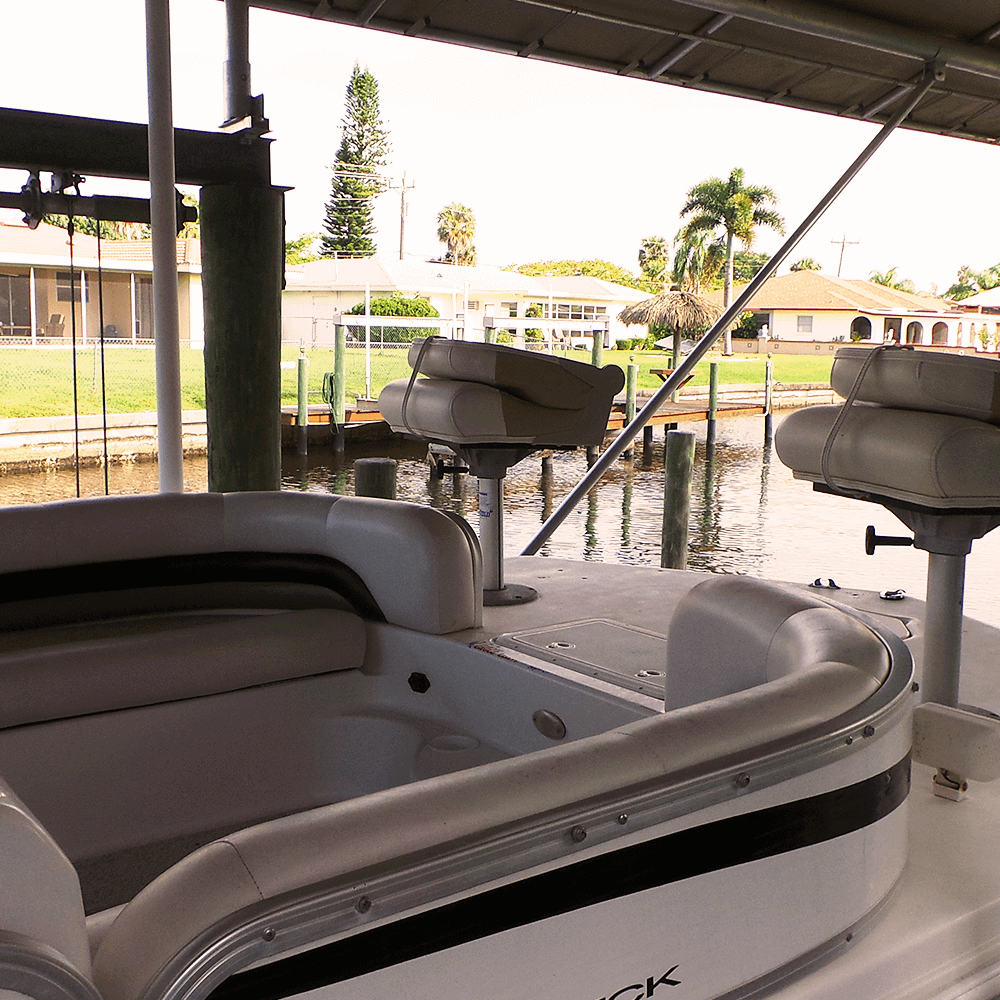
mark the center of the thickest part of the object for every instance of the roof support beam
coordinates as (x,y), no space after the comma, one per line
(36,141)
(860,30)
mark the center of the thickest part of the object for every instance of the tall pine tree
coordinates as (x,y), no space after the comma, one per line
(364,147)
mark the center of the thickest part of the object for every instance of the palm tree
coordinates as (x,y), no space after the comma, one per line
(456,228)
(732,210)
(972,282)
(889,280)
(697,259)
(654,256)
(806,264)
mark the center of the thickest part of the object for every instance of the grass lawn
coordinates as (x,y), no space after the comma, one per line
(38,382)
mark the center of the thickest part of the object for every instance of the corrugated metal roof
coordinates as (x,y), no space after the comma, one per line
(852,58)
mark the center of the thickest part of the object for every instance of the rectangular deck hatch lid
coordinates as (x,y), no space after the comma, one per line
(630,657)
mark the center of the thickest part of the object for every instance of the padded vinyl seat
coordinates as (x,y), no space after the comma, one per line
(488,394)
(930,459)
(922,429)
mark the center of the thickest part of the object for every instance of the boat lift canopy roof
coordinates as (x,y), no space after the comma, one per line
(856,59)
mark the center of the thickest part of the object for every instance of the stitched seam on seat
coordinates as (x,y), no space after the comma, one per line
(245,866)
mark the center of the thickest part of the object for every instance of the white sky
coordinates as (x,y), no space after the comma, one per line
(556,163)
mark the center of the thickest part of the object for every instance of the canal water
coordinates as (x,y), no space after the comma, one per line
(748,515)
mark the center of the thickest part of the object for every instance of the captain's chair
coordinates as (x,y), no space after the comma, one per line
(494,406)
(919,434)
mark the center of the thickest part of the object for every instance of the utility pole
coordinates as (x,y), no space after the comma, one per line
(843,241)
(403,188)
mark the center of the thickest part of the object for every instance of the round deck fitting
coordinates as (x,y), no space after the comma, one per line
(513,593)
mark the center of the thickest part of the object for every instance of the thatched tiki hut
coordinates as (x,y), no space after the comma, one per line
(676,311)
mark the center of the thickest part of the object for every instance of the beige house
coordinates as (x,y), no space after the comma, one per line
(463,296)
(815,307)
(43,299)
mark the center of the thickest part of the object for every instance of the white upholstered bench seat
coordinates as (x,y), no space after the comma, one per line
(936,460)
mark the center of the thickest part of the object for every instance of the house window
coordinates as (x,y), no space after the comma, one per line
(68,286)
(473,305)
(803,324)
(511,308)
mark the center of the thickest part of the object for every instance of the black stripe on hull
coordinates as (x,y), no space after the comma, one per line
(659,862)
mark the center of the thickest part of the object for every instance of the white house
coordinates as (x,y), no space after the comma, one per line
(810,306)
(466,296)
(41,299)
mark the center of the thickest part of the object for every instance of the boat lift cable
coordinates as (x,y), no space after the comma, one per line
(933,73)
(70,226)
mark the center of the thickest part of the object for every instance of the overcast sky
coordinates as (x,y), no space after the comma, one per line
(555,162)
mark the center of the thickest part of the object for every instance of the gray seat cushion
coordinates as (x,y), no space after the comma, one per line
(934,460)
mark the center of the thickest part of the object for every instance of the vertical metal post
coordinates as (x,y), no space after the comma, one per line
(491,532)
(302,414)
(943,628)
(368,340)
(678,459)
(237,67)
(33,304)
(338,405)
(163,217)
(597,349)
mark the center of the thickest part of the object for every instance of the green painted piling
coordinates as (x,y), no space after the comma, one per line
(597,350)
(243,261)
(631,377)
(678,458)
(490,335)
(375,477)
(302,414)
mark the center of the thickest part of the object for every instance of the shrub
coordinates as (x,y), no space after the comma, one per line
(398,305)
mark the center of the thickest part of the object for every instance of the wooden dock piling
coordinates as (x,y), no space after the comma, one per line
(678,460)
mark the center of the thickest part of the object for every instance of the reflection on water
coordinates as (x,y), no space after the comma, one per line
(748,515)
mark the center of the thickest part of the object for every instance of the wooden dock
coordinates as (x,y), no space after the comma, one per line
(678,413)
(668,414)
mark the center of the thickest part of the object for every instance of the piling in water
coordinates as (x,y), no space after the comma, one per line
(678,459)
(713,399)
(375,477)
(631,377)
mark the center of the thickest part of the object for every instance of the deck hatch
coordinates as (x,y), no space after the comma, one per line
(624,655)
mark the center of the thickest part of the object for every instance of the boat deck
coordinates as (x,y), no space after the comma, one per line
(941,926)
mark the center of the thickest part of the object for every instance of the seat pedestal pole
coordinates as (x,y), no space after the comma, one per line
(491,539)
(943,628)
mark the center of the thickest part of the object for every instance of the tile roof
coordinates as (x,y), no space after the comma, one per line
(815,291)
(48,246)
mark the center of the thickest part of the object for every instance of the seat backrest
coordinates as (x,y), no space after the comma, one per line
(732,633)
(488,394)
(417,564)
